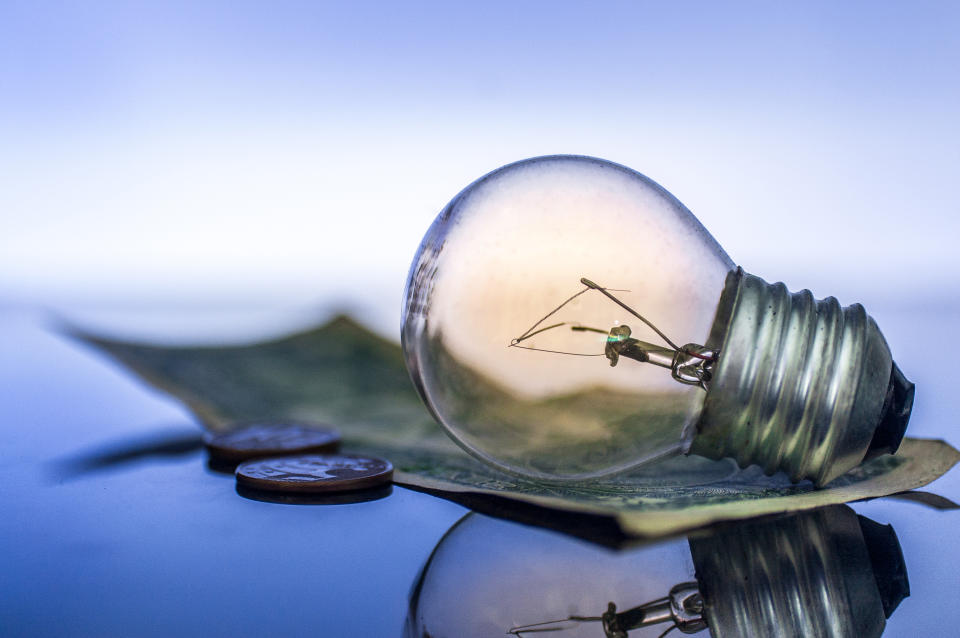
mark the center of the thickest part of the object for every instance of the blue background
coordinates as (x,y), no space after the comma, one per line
(214,155)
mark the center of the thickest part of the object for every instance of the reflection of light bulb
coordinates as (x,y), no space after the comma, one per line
(824,572)
(537,281)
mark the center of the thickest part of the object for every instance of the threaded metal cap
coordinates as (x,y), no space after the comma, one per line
(801,386)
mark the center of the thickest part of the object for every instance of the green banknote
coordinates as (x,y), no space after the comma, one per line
(343,374)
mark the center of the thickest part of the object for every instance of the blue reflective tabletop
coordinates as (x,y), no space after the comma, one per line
(113,525)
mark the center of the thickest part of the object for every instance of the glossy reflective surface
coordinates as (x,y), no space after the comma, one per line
(114,525)
(826,572)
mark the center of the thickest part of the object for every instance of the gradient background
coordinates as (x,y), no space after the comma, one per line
(188,170)
(289,156)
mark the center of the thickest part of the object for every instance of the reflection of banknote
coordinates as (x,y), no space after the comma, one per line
(343,374)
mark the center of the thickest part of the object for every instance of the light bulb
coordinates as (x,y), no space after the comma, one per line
(820,572)
(566,318)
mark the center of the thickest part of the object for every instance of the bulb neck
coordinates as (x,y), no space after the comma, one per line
(800,385)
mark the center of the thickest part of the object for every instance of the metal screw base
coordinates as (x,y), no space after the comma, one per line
(800,385)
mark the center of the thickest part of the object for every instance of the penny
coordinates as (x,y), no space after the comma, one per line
(259,440)
(315,473)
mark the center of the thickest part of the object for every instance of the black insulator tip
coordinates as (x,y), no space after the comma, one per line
(894,417)
(886,558)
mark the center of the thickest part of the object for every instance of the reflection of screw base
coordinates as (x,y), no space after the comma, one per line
(802,386)
(827,572)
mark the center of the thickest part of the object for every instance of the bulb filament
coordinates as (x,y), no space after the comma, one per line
(682,609)
(691,364)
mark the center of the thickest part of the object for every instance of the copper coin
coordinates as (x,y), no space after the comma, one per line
(259,440)
(315,473)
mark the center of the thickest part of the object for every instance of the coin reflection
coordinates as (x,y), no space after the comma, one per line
(306,498)
(827,572)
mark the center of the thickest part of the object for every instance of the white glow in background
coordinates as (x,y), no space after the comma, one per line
(256,157)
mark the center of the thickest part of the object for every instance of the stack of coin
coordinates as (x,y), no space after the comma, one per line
(315,473)
(259,440)
(294,457)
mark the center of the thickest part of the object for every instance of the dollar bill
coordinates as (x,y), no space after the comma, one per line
(343,374)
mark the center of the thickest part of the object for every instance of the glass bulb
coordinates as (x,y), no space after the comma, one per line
(512,247)
(564,318)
